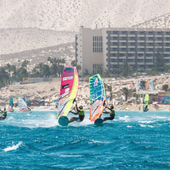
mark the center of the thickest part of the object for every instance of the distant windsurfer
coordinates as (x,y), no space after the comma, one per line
(111,112)
(4,114)
(146,109)
(79,112)
(29,109)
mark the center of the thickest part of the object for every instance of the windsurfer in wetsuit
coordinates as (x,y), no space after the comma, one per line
(146,109)
(4,114)
(111,112)
(79,112)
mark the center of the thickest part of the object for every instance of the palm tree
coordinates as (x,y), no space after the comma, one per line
(46,70)
(109,88)
(165,87)
(126,92)
(73,63)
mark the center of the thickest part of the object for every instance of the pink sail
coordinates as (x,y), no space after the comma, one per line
(68,90)
(67,82)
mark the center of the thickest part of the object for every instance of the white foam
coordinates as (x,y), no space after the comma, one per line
(14,147)
(85,122)
(146,121)
(97,141)
(125,118)
(142,125)
(31,121)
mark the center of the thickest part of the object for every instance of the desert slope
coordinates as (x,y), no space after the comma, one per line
(64,15)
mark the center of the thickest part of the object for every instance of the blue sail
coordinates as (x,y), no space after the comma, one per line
(97,90)
(11,103)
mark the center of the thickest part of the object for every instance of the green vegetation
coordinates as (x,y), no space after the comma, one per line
(165,87)
(10,73)
(126,92)
(73,63)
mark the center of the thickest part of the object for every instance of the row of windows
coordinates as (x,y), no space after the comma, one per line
(134,55)
(140,38)
(97,50)
(131,60)
(97,38)
(138,44)
(138,66)
(97,44)
(140,32)
(139,49)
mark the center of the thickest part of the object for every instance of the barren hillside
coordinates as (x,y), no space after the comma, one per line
(64,15)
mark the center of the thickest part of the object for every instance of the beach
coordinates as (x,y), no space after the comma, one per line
(49,91)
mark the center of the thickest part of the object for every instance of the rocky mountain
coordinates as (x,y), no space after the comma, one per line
(18,40)
(29,26)
(68,15)
(36,56)
(159,22)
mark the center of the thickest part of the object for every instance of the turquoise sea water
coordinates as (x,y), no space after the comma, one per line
(134,140)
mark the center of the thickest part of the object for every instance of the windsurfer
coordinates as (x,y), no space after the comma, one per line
(111,112)
(4,114)
(79,112)
(146,109)
(29,109)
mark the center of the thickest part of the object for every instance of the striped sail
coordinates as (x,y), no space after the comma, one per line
(22,105)
(97,96)
(68,90)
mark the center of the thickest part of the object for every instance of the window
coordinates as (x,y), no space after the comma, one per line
(141,32)
(122,55)
(158,38)
(113,44)
(114,32)
(131,60)
(113,38)
(132,32)
(131,38)
(140,60)
(150,33)
(123,32)
(97,44)
(167,38)
(131,55)
(167,33)
(113,60)
(113,49)
(141,49)
(131,49)
(131,44)
(159,44)
(149,55)
(122,44)
(141,44)
(122,38)
(140,55)
(122,49)
(149,60)
(141,38)
(158,33)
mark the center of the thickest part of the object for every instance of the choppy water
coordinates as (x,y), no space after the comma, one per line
(134,140)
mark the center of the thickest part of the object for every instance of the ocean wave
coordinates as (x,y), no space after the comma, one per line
(13,147)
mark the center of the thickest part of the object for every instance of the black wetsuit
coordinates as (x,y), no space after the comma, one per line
(112,116)
(4,115)
(81,115)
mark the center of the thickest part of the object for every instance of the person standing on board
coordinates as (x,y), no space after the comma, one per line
(111,112)
(4,114)
(79,112)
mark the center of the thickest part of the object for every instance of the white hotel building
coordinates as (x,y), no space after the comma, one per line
(110,47)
